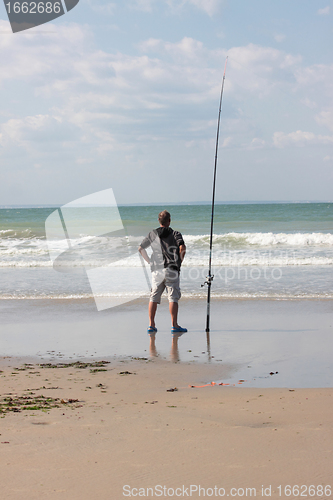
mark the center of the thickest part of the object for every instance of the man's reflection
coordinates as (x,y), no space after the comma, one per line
(152,346)
(174,353)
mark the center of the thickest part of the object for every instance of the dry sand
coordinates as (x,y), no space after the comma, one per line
(128,429)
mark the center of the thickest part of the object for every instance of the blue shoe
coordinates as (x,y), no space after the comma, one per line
(178,329)
(151,329)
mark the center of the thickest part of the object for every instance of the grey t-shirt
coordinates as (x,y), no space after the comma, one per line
(165,243)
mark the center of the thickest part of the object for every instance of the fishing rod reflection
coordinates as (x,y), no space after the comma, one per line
(208,347)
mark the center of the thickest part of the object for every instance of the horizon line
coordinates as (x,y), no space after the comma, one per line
(181,203)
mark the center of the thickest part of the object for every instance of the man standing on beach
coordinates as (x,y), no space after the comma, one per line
(168,254)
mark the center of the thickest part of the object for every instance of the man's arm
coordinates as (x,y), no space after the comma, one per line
(182,251)
(144,254)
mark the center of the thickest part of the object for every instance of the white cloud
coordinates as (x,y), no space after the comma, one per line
(221,34)
(210,7)
(144,5)
(186,49)
(32,132)
(245,56)
(253,68)
(227,142)
(105,8)
(280,37)
(328,158)
(257,143)
(299,138)
(290,61)
(150,45)
(200,125)
(265,58)
(326,118)
(26,59)
(259,70)
(315,85)
(312,75)
(324,12)
(308,103)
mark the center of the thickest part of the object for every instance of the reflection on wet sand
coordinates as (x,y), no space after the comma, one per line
(152,346)
(174,353)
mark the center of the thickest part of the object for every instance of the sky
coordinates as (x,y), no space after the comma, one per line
(125,94)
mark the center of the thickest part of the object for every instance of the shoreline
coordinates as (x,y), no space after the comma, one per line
(185,298)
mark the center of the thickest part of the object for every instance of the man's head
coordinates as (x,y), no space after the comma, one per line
(164,218)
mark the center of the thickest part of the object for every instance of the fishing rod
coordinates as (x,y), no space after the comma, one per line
(210,276)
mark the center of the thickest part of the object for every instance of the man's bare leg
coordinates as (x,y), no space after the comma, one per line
(152,311)
(173,308)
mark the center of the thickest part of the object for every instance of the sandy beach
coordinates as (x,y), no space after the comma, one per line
(251,415)
(125,430)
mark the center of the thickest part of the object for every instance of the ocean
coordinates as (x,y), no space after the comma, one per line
(272,251)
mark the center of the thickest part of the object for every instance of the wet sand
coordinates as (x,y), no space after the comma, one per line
(256,337)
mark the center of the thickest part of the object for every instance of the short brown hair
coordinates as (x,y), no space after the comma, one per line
(164,217)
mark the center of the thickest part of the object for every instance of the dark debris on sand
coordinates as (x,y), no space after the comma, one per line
(18,404)
(77,364)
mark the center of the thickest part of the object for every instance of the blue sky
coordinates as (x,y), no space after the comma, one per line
(125,95)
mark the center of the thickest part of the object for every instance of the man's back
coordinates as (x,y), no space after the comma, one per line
(165,243)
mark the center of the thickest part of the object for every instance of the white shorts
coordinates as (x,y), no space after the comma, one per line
(165,279)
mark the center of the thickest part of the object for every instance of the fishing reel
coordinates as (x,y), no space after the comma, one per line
(209,280)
